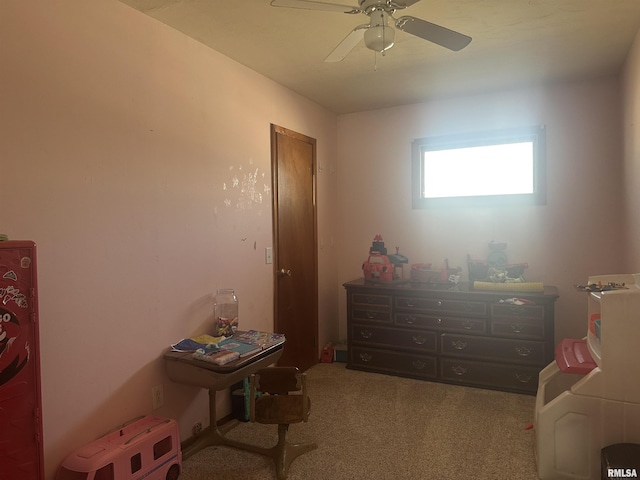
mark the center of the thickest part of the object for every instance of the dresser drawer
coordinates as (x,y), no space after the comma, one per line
(435,304)
(453,324)
(518,378)
(505,310)
(407,364)
(371,300)
(358,314)
(395,337)
(515,327)
(517,351)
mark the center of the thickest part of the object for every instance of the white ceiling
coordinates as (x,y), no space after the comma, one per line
(515,43)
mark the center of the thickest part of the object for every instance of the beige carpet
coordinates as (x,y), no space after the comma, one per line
(370,426)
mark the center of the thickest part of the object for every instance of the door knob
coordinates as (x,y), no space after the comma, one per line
(284,273)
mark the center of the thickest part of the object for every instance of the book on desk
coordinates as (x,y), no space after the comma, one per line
(262,339)
(240,345)
(218,356)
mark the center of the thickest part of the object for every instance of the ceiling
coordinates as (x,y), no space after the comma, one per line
(515,43)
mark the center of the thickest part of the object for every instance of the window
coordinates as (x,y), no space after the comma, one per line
(66,474)
(136,463)
(491,168)
(162,447)
(104,473)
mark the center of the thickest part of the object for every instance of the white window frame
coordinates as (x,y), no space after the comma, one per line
(533,135)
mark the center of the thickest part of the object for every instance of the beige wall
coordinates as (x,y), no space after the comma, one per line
(121,142)
(631,183)
(576,234)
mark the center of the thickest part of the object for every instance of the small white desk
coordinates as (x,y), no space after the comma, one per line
(181,367)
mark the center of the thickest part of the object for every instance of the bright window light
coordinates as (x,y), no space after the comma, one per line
(489,170)
(498,167)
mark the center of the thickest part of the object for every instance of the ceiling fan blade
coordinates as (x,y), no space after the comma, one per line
(313,5)
(348,44)
(434,33)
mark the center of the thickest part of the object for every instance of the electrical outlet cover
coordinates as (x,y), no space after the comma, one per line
(157,395)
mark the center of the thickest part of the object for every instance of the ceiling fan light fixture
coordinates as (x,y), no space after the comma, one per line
(379,36)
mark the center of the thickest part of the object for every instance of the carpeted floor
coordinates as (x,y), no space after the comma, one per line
(370,426)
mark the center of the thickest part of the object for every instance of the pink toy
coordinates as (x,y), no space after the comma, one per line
(146,447)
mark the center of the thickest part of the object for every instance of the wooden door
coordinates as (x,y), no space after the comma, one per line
(293,159)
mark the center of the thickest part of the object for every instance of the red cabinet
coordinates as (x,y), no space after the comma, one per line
(20,400)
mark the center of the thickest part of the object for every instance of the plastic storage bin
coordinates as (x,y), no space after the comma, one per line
(340,353)
(240,400)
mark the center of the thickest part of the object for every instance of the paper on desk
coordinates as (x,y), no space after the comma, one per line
(193,344)
(207,339)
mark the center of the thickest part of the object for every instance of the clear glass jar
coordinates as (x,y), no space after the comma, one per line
(225,312)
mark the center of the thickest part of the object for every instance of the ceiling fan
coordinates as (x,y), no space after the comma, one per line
(378,35)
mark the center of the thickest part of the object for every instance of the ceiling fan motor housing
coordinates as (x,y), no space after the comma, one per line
(389,6)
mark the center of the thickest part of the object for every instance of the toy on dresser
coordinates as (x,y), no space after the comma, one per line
(380,267)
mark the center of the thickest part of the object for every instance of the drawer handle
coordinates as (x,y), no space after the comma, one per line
(523,350)
(365,357)
(523,377)
(517,309)
(411,319)
(467,325)
(458,370)
(419,339)
(410,304)
(439,321)
(516,327)
(419,364)
(439,303)
(370,315)
(458,344)
(366,334)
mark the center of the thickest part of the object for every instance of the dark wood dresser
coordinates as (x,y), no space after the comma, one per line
(451,334)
